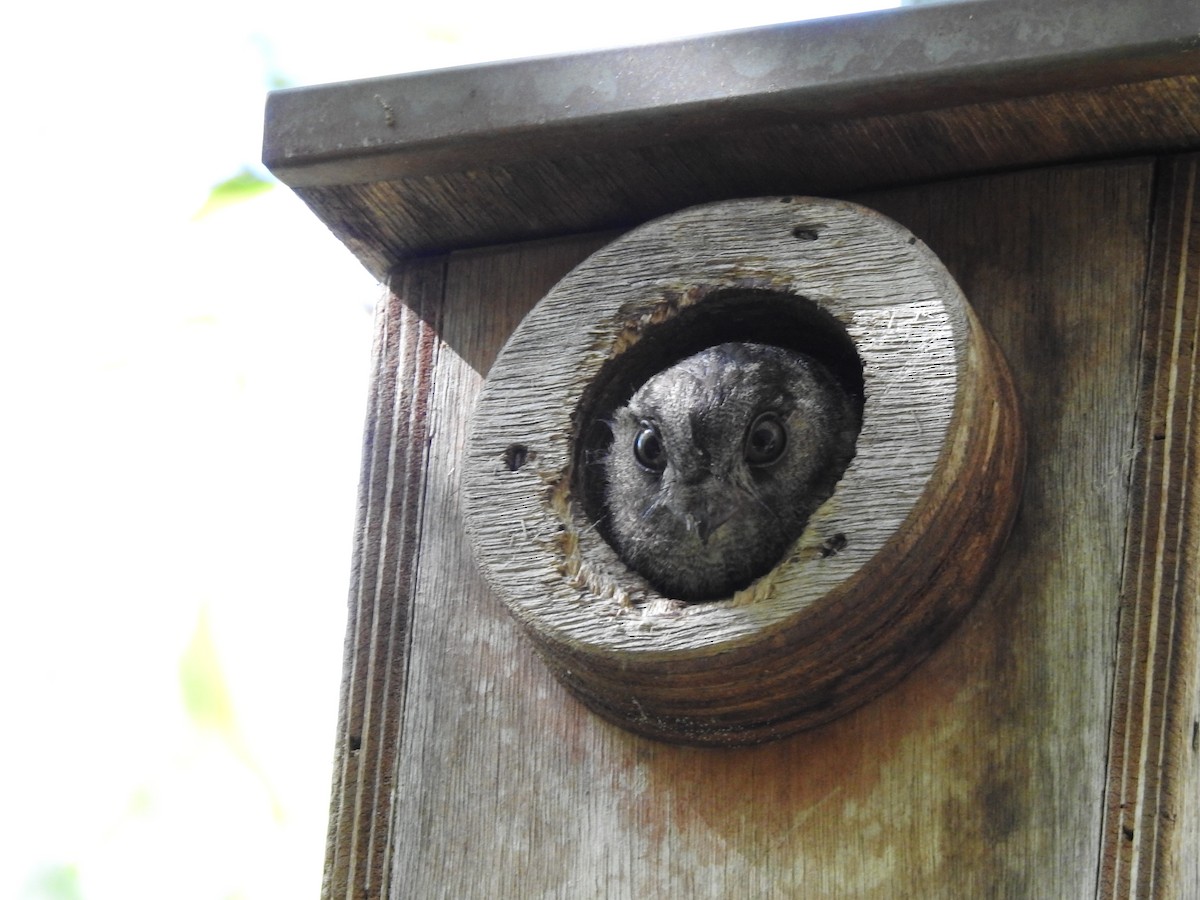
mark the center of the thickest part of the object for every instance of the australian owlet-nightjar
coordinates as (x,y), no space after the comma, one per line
(718,461)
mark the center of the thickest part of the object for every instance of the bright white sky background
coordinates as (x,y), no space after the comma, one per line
(182,407)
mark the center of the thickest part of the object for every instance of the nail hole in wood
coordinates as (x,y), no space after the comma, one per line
(515,456)
(833,544)
(801,233)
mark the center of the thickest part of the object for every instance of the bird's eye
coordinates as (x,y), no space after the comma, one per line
(648,448)
(766,439)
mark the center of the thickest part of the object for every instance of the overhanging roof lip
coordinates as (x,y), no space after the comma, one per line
(856,66)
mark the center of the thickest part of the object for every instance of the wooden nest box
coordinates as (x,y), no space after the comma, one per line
(975,672)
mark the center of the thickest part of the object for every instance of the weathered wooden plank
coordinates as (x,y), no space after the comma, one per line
(421,212)
(1152,825)
(385,546)
(831,69)
(471,772)
(426,162)
(1061,323)
(980,775)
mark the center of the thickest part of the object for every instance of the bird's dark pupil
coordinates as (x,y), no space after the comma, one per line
(648,448)
(766,440)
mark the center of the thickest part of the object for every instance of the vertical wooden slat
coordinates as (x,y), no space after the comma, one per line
(384,569)
(1151,825)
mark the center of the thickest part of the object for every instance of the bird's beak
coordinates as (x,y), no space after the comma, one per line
(716,514)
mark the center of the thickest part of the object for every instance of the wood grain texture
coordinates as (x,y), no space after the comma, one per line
(385,549)
(426,212)
(980,775)
(1152,824)
(822,632)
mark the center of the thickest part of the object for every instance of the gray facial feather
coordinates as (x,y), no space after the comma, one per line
(740,444)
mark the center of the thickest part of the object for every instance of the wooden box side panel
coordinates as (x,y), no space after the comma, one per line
(1152,825)
(380,602)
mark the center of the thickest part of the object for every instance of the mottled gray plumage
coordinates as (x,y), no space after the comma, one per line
(718,461)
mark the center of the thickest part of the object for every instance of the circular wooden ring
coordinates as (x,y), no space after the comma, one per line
(885,568)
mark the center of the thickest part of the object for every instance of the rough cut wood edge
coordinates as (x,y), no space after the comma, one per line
(1152,822)
(823,632)
(360,838)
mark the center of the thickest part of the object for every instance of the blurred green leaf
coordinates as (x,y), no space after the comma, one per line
(209,702)
(59,882)
(241,187)
(205,692)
